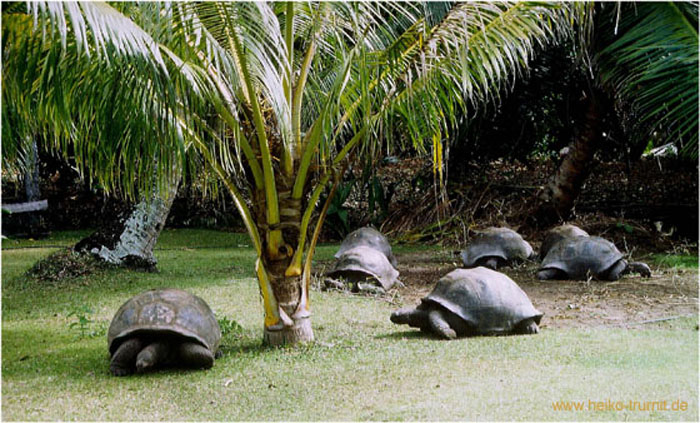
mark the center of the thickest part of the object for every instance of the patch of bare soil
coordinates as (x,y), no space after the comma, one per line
(630,302)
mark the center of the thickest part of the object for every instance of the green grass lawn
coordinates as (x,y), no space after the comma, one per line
(684,261)
(361,367)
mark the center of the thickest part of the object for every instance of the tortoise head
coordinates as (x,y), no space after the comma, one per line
(154,354)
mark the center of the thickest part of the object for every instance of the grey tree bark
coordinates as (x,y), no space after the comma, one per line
(129,241)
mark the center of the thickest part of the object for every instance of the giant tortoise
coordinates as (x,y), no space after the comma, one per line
(557,233)
(468,302)
(162,327)
(582,257)
(368,237)
(496,247)
(363,268)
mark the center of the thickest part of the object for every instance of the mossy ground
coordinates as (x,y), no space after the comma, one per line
(361,367)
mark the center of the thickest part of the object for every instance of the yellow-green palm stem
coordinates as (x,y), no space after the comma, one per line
(275,317)
(299,93)
(314,137)
(294,268)
(289,152)
(352,143)
(304,304)
(312,140)
(273,314)
(235,193)
(232,122)
(274,236)
(683,18)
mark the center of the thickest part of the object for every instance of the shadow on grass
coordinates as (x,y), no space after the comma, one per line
(42,352)
(408,334)
(51,352)
(246,347)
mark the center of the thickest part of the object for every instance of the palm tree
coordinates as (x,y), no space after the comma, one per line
(645,56)
(129,240)
(273,99)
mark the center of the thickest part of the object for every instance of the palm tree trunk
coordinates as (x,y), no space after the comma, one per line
(558,198)
(295,324)
(130,240)
(288,289)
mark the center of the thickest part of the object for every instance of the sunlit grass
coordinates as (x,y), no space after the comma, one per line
(361,367)
(677,260)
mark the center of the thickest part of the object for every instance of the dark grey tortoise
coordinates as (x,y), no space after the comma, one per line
(469,302)
(583,257)
(368,237)
(557,233)
(363,269)
(160,328)
(496,247)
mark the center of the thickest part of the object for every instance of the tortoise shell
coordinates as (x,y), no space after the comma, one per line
(362,262)
(486,299)
(165,312)
(503,243)
(554,235)
(580,256)
(368,237)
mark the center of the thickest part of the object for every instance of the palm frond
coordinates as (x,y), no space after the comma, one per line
(649,61)
(110,104)
(468,59)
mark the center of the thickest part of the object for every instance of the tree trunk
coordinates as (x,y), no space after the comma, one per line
(129,240)
(36,227)
(31,175)
(558,198)
(289,291)
(295,326)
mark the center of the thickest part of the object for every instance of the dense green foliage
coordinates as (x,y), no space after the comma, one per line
(647,57)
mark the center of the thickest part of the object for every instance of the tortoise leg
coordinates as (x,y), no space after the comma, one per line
(491,263)
(194,355)
(526,327)
(439,325)
(331,283)
(615,271)
(370,288)
(545,274)
(154,354)
(124,358)
(419,319)
(639,267)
